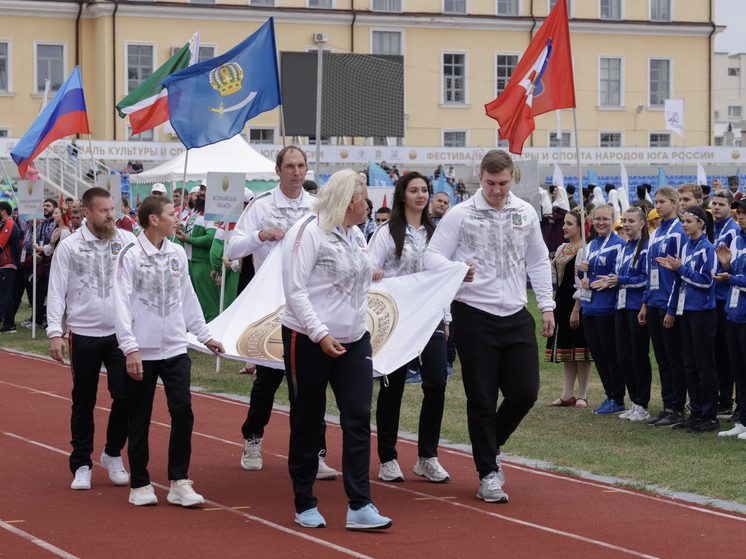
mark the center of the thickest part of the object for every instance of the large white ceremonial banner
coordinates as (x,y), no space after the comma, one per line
(403,313)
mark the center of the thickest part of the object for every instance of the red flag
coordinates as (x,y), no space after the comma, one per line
(542,81)
(62,201)
(384,204)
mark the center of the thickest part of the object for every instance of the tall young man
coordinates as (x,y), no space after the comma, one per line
(261,225)
(498,234)
(155,306)
(81,284)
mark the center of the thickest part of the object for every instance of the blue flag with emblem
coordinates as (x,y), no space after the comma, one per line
(212,100)
(592,178)
(442,185)
(377,176)
(662,178)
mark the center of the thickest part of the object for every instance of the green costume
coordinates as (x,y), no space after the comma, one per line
(216,260)
(200,235)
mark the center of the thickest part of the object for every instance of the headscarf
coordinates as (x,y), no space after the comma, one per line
(624,198)
(546,202)
(598,197)
(614,203)
(562,201)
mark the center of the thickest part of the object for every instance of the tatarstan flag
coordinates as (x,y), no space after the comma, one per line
(147,105)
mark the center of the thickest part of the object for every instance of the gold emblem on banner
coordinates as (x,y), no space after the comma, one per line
(225,184)
(263,338)
(30,188)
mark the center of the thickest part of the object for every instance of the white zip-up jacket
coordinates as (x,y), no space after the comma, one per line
(325,277)
(81,281)
(268,210)
(504,245)
(154,301)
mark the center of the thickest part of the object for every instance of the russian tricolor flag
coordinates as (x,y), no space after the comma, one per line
(63,116)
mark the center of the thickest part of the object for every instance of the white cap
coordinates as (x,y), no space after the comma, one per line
(248,195)
(194,190)
(158,187)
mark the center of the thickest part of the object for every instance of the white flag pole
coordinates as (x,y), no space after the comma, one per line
(222,287)
(183,180)
(33,283)
(580,183)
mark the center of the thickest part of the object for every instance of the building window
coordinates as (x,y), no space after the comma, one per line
(205,53)
(660,10)
(320,4)
(554,141)
(261,136)
(4,132)
(610,82)
(717,115)
(504,66)
(4,67)
(507,7)
(454,6)
(611,9)
(454,138)
(660,82)
(269,3)
(660,140)
(454,74)
(610,140)
(553,3)
(734,72)
(139,64)
(144,136)
(50,65)
(734,111)
(387,5)
(386,42)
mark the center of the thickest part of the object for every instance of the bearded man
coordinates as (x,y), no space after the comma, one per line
(81,282)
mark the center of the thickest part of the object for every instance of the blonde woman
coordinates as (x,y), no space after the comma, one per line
(326,274)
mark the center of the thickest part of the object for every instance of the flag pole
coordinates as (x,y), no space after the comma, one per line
(33,285)
(183,180)
(222,287)
(93,165)
(580,183)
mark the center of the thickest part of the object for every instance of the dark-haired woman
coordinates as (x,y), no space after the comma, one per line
(567,344)
(397,249)
(693,299)
(632,338)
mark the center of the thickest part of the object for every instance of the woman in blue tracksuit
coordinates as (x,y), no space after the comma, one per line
(632,339)
(693,299)
(665,334)
(733,262)
(598,306)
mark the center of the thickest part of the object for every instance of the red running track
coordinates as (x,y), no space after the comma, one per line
(250,514)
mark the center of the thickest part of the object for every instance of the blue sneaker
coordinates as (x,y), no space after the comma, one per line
(615,408)
(366,518)
(449,369)
(603,408)
(310,518)
(413,377)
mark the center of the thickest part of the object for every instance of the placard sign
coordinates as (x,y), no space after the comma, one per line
(31,199)
(224,197)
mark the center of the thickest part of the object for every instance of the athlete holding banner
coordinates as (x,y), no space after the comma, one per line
(261,225)
(494,332)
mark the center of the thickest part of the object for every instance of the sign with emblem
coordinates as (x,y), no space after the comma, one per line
(31,199)
(113,185)
(402,313)
(224,197)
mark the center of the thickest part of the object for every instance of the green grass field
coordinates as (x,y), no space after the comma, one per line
(567,437)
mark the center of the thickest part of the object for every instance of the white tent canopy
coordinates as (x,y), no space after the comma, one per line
(234,155)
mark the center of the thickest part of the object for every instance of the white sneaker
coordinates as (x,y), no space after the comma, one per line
(181,493)
(325,471)
(491,490)
(142,496)
(82,478)
(640,414)
(500,471)
(117,474)
(251,459)
(431,469)
(737,430)
(627,413)
(390,471)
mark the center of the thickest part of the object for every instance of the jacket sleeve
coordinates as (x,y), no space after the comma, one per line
(204,241)
(673,299)
(123,288)
(244,239)
(444,242)
(539,267)
(193,317)
(701,275)
(57,291)
(637,276)
(298,260)
(216,251)
(379,247)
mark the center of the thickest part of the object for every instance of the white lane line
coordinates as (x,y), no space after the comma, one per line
(652,497)
(53,549)
(226,508)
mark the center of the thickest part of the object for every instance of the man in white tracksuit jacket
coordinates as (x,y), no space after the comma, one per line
(155,307)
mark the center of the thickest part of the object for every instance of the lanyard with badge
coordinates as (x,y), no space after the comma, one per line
(623,270)
(654,270)
(587,294)
(682,289)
